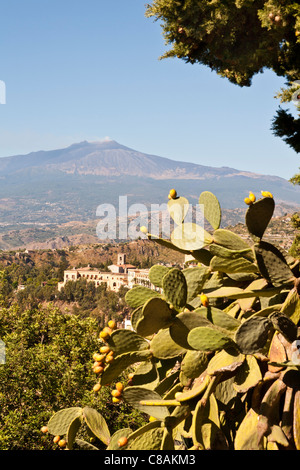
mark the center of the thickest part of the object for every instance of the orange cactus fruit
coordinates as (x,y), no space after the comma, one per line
(97,387)
(173,193)
(122,441)
(204,300)
(252,197)
(119,386)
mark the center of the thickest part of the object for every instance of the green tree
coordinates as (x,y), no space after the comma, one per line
(237,39)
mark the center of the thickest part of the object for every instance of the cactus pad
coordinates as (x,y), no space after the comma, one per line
(134,395)
(252,334)
(208,339)
(156,274)
(258,217)
(178,208)
(212,208)
(175,288)
(164,347)
(138,295)
(189,236)
(121,362)
(156,314)
(183,324)
(122,341)
(59,423)
(195,279)
(97,424)
(229,240)
(273,265)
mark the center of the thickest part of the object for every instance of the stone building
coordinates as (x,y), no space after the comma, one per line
(120,274)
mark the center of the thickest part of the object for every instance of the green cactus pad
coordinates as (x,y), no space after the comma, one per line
(232,266)
(122,341)
(258,216)
(175,288)
(156,314)
(97,424)
(164,347)
(225,361)
(178,209)
(150,439)
(121,362)
(247,436)
(168,244)
(229,240)
(218,318)
(291,306)
(156,274)
(146,375)
(193,364)
(195,279)
(248,375)
(190,236)
(273,265)
(208,339)
(238,293)
(225,392)
(134,395)
(183,324)
(59,423)
(84,445)
(212,209)
(222,252)
(113,442)
(203,256)
(72,431)
(252,334)
(206,423)
(199,387)
(284,325)
(136,315)
(138,295)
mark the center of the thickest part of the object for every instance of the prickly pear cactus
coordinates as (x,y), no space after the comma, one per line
(214,356)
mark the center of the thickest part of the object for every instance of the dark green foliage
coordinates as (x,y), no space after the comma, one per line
(287,127)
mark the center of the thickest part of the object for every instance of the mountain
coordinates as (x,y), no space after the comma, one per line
(59,186)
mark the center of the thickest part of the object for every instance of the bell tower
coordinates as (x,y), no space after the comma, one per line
(121,259)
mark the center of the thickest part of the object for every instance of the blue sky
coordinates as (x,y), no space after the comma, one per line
(88,70)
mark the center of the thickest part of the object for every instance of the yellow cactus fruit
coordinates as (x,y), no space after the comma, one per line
(247,201)
(173,193)
(98,369)
(62,443)
(112,324)
(99,357)
(119,386)
(105,349)
(97,387)
(104,335)
(44,429)
(122,441)
(144,229)
(267,194)
(116,400)
(252,197)
(116,393)
(151,419)
(204,300)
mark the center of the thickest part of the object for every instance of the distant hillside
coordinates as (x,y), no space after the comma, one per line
(66,185)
